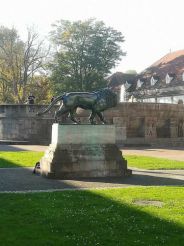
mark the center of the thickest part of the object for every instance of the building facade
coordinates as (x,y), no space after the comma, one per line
(162,82)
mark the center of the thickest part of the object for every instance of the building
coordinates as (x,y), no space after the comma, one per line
(162,82)
(121,83)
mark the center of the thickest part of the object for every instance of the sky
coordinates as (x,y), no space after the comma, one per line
(152,28)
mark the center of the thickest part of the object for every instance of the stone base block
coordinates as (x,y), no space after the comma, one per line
(80,155)
(83,161)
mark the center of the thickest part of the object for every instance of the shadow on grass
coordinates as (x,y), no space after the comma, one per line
(86,218)
(19,159)
(4,163)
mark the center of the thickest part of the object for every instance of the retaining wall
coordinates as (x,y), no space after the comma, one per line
(136,123)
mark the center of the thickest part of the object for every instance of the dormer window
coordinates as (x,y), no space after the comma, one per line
(139,83)
(153,81)
(169,78)
(127,85)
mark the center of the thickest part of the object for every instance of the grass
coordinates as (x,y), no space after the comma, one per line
(29,158)
(19,159)
(146,162)
(97,217)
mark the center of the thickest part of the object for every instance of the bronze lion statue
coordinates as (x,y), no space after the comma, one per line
(97,102)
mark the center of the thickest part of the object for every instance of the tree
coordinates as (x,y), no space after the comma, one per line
(85,53)
(131,71)
(41,87)
(33,60)
(10,48)
(19,61)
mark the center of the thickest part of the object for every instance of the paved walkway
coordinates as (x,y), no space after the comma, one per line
(23,180)
(22,147)
(167,153)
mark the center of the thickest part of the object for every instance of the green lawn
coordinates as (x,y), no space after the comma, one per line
(146,162)
(97,217)
(29,158)
(19,159)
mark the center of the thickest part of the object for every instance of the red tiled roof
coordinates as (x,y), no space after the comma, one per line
(169,57)
(170,63)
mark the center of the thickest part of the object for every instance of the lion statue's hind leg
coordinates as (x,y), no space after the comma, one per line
(91,117)
(61,111)
(101,117)
(72,117)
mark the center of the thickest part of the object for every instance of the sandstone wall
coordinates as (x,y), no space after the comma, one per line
(20,123)
(136,123)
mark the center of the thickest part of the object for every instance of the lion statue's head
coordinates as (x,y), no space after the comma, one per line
(109,96)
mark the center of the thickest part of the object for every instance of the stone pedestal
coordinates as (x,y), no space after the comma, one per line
(83,151)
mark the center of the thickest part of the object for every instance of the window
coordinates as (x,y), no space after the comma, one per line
(176,99)
(164,99)
(153,81)
(149,100)
(168,78)
(127,85)
(139,83)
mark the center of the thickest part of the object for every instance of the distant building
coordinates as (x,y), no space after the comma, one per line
(121,82)
(162,82)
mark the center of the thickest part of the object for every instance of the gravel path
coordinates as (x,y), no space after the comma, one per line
(23,180)
(167,153)
(22,147)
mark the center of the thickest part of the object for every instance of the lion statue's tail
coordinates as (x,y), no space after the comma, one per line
(59,98)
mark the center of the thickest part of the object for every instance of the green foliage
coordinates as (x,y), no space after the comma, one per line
(42,88)
(11,49)
(86,51)
(131,71)
(19,62)
(146,162)
(99,217)
(19,159)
